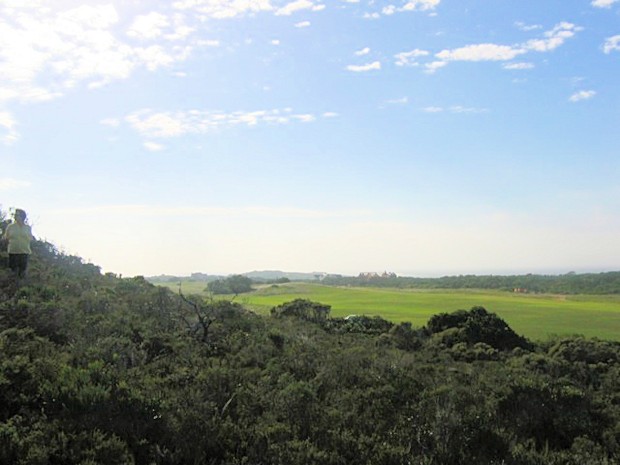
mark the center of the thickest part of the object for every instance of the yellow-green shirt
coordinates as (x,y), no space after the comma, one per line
(19,238)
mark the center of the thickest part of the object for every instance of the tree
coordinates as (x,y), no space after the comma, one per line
(235,284)
(473,326)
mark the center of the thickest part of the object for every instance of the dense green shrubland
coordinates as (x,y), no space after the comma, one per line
(95,369)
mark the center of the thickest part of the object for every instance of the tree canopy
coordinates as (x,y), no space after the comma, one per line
(235,284)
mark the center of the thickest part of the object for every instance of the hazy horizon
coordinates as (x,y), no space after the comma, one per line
(413,136)
(405,274)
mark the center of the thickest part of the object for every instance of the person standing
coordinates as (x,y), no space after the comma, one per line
(19,235)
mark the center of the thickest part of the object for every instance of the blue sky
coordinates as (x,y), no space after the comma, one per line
(423,137)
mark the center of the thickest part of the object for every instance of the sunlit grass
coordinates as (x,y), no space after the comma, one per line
(536,316)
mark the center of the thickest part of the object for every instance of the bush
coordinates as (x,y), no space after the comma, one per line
(476,325)
(303,309)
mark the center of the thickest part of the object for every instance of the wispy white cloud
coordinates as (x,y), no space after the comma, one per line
(454,109)
(223,9)
(155,25)
(148,26)
(45,51)
(527,27)
(207,43)
(395,102)
(302,24)
(603,3)
(153,124)
(422,5)
(481,52)
(156,56)
(8,131)
(497,52)
(375,65)
(7,184)
(363,51)
(298,5)
(553,38)
(305,118)
(461,109)
(433,66)
(388,10)
(612,44)
(410,58)
(411,5)
(582,95)
(153,146)
(373,15)
(180,31)
(519,66)
(398,101)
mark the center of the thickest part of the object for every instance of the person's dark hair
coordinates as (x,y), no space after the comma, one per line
(20,213)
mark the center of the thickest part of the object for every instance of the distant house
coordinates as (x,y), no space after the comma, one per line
(519,290)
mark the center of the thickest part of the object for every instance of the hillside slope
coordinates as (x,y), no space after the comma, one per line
(95,369)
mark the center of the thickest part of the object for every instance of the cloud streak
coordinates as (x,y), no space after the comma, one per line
(410,58)
(154,124)
(298,5)
(410,5)
(603,3)
(223,9)
(481,52)
(456,109)
(582,95)
(374,66)
(519,66)
(485,52)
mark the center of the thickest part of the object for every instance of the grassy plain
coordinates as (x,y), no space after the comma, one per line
(536,316)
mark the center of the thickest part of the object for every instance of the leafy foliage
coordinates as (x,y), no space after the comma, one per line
(475,326)
(303,309)
(96,369)
(235,284)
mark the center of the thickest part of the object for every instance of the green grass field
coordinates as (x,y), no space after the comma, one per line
(534,316)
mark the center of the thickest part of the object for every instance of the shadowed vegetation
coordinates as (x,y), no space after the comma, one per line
(95,369)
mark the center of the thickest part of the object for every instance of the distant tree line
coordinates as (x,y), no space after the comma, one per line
(570,283)
(194,277)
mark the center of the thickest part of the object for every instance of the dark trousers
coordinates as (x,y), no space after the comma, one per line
(18,262)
